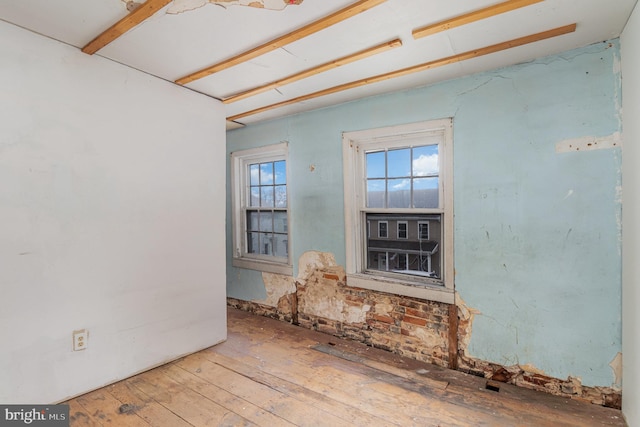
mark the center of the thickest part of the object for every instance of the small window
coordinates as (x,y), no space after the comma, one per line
(423,230)
(402,229)
(260,206)
(383,229)
(401,176)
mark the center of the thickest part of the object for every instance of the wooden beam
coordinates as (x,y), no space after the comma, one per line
(316,70)
(417,68)
(134,18)
(453,337)
(339,16)
(468,18)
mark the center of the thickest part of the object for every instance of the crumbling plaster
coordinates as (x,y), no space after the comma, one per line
(180,6)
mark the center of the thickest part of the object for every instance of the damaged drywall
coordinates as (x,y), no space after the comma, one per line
(320,278)
(588,143)
(276,286)
(180,6)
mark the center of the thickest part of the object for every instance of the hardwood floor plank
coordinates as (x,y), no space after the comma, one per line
(184,402)
(280,404)
(355,416)
(78,416)
(104,409)
(228,400)
(144,406)
(357,386)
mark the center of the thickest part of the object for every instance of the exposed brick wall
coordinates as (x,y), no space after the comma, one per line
(410,327)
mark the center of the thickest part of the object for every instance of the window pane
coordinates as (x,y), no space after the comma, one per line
(425,160)
(412,255)
(253,242)
(266,244)
(252,221)
(266,221)
(375,165)
(255,196)
(281,172)
(399,193)
(266,196)
(425,193)
(266,173)
(280,245)
(281,196)
(399,163)
(254,174)
(375,193)
(280,222)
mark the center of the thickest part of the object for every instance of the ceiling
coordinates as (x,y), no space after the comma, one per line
(175,39)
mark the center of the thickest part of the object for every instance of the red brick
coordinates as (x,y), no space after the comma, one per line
(331,276)
(414,320)
(383,319)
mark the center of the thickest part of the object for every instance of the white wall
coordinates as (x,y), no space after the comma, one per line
(111,219)
(630,41)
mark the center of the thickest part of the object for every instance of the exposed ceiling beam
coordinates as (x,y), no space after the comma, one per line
(470,17)
(329,20)
(134,18)
(417,68)
(316,70)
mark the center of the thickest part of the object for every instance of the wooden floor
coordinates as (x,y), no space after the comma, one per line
(270,373)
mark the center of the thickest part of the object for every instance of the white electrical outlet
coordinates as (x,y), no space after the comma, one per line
(80,339)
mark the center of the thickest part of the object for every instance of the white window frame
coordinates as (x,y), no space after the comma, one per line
(386,223)
(354,146)
(420,224)
(240,160)
(406,230)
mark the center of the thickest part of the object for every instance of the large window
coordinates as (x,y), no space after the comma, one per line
(260,209)
(399,178)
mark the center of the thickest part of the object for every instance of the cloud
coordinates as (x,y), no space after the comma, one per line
(426,165)
(402,185)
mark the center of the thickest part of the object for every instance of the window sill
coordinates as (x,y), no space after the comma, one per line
(383,284)
(267,267)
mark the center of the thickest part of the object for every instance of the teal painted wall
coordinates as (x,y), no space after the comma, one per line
(537,232)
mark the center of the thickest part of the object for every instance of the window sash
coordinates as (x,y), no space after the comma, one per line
(246,207)
(355,145)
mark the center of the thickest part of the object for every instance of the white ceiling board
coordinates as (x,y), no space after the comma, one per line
(171,46)
(75,22)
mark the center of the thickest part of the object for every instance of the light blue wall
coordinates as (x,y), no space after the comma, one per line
(537,235)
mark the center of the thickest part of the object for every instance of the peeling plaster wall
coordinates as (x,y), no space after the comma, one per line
(110,220)
(537,229)
(631,242)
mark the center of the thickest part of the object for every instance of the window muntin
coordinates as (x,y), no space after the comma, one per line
(260,206)
(401,174)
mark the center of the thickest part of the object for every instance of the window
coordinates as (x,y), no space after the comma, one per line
(401,176)
(423,230)
(260,209)
(383,227)
(402,229)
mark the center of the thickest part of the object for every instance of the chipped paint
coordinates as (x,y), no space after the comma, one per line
(616,365)
(588,143)
(276,286)
(466,315)
(313,260)
(180,6)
